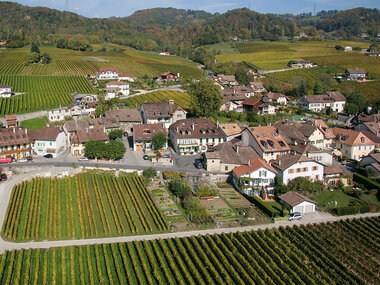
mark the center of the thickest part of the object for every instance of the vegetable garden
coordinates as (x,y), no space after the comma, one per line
(345,252)
(83,206)
(41,92)
(182,99)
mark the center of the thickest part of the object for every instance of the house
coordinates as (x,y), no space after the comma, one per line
(352,144)
(372,53)
(193,135)
(239,90)
(85,98)
(313,134)
(168,76)
(226,156)
(356,74)
(114,88)
(372,131)
(291,166)
(165,53)
(258,87)
(303,64)
(226,80)
(165,113)
(59,114)
(256,178)
(267,109)
(126,118)
(333,174)
(143,135)
(372,161)
(276,98)
(266,141)
(230,131)
(126,77)
(14,143)
(233,102)
(50,140)
(326,131)
(298,202)
(11,121)
(79,138)
(107,73)
(252,105)
(317,103)
(347,49)
(5,91)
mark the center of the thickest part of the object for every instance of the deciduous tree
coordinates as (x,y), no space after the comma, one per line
(206,98)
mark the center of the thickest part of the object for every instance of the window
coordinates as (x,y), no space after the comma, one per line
(226,168)
(200,140)
(298,170)
(362,139)
(291,171)
(315,168)
(304,169)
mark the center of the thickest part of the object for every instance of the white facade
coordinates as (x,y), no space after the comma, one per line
(107,75)
(322,157)
(120,87)
(5,91)
(308,169)
(304,207)
(56,115)
(193,145)
(261,177)
(317,138)
(42,147)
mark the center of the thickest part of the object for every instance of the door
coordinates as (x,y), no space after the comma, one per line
(309,208)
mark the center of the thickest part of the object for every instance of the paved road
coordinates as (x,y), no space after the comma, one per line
(170,88)
(5,193)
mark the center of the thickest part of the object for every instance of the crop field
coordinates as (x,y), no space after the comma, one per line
(276,55)
(345,252)
(41,92)
(182,99)
(83,206)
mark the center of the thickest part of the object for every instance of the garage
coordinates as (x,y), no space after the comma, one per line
(297,202)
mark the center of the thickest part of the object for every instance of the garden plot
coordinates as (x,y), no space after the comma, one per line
(219,210)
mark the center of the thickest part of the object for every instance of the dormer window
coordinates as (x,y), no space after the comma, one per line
(363,139)
(146,131)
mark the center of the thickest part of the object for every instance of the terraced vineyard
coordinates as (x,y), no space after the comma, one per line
(182,99)
(84,206)
(41,92)
(345,252)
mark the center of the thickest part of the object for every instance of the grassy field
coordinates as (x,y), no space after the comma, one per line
(276,55)
(182,99)
(83,206)
(345,252)
(328,198)
(35,124)
(69,62)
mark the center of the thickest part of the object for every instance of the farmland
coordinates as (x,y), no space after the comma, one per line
(182,99)
(83,206)
(345,252)
(38,92)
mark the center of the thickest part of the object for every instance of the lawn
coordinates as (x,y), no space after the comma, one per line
(35,124)
(328,198)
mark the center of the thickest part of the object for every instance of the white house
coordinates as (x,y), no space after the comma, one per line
(255,178)
(356,74)
(107,74)
(48,140)
(317,103)
(313,134)
(165,113)
(114,88)
(291,166)
(59,114)
(126,77)
(275,97)
(5,91)
(348,48)
(303,64)
(298,202)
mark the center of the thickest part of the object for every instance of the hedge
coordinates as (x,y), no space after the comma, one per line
(350,210)
(261,205)
(368,183)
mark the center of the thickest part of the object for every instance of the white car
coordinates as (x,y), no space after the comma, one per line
(22,160)
(83,158)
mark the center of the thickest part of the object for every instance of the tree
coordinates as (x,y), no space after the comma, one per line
(115,134)
(241,75)
(351,108)
(329,111)
(100,149)
(35,48)
(358,99)
(115,150)
(206,98)
(303,183)
(179,187)
(33,57)
(159,140)
(46,59)
(149,173)
(318,88)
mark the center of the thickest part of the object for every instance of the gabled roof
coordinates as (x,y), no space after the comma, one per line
(374,127)
(323,127)
(257,85)
(10,117)
(232,154)
(45,134)
(155,110)
(351,137)
(117,83)
(287,160)
(105,69)
(83,136)
(124,75)
(268,139)
(230,129)
(228,78)
(195,128)
(275,96)
(147,131)
(252,166)
(356,71)
(124,115)
(375,156)
(307,130)
(306,148)
(294,198)
(290,133)
(336,95)
(252,102)
(12,136)
(318,99)
(333,169)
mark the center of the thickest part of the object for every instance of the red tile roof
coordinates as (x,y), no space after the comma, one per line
(351,137)
(252,101)
(105,69)
(252,166)
(45,134)
(294,198)
(195,128)
(268,139)
(147,131)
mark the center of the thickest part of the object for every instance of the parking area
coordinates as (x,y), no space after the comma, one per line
(316,217)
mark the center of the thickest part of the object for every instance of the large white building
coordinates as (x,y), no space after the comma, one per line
(291,166)
(317,103)
(114,88)
(5,91)
(48,140)
(107,74)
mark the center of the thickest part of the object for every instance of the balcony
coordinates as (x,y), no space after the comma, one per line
(11,151)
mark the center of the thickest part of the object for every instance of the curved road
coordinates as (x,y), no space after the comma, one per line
(5,193)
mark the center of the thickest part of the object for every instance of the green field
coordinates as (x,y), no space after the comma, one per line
(83,206)
(345,252)
(276,55)
(182,99)
(35,124)
(39,92)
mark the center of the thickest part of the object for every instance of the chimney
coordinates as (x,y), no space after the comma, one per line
(26,131)
(237,149)
(192,125)
(295,142)
(279,162)
(86,130)
(14,130)
(320,126)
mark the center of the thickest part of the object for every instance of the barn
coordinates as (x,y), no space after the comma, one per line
(298,202)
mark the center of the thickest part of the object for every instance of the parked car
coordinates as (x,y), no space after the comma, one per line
(146,157)
(295,216)
(22,160)
(29,158)
(3,177)
(83,158)
(48,155)
(198,163)
(167,155)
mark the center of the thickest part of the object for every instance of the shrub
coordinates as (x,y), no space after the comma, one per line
(205,191)
(350,210)
(179,187)
(149,173)
(368,183)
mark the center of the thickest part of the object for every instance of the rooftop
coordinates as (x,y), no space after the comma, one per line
(230,129)
(294,198)
(252,166)
(83,136)
(287,160)
(13,136)
(195,128)
(156,110)
(45,134)
(351,137)
(147,131)
(356,71)
(232,154)
(124,115)
(268,139)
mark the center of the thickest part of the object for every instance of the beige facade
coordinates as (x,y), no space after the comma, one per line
(354,151)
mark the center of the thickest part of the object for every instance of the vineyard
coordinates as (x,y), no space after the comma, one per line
(182,99)
(83,206)
(41,92)
(345,252)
